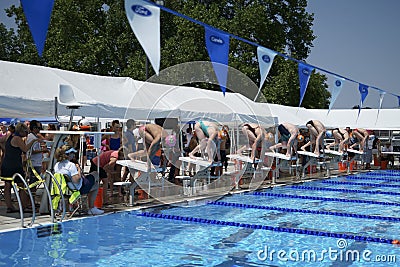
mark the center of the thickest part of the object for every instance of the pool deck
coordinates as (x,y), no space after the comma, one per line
(12,221)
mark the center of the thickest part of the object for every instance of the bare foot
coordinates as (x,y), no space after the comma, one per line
(302,148)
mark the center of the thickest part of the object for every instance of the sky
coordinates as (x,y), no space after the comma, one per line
(356,39)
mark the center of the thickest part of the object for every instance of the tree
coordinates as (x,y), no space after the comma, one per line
(94,36)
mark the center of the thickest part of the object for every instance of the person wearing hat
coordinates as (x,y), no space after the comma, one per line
(65,156)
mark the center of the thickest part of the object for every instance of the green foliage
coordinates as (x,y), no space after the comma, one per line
(94,36)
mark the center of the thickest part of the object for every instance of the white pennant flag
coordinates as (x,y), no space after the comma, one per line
(144,19)
(337,88)
(381,96)
(265,59)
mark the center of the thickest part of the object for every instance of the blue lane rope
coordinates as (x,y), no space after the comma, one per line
(332,213)
(327,199)
(344,190)
(361,184)
(383,173)
(372,178)
(270,228)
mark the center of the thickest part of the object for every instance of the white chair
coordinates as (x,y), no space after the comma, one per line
(67,98)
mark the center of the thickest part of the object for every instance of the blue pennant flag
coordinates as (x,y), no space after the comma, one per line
(38,13)
(363,92)
(217,44)
(304,76)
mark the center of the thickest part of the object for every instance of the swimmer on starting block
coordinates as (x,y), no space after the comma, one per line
(317,131)
(257,141)
(288,133)
(341,136)
(362,136)
(152,135)
(207,133)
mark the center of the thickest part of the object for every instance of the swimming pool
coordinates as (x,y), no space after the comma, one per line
(341,221)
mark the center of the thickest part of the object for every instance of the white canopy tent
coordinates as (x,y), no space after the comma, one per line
(30,91)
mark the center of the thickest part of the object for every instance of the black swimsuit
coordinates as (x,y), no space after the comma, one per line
(253,130)
(337,129)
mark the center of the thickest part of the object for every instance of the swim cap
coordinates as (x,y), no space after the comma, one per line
(300,138)
(328,134)
(170,140)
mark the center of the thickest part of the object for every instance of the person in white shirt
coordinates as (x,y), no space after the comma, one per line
(36,152)
(139,139)
(89,184)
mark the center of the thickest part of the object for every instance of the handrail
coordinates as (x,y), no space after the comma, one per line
(21,211)
(39,180)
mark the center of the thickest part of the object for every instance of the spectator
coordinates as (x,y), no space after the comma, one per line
(106,162)
(105,141)
(116,138)
(50,136)
(139,139)
(389,157)
(37,150)
(376,150)
(89,184)
(129,145)
(225,146)
(12,163)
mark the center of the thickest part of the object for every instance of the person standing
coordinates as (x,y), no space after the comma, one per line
(116,138)
(129,144)
(37,150)
(12,163)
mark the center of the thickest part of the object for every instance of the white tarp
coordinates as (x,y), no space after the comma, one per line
(29,91)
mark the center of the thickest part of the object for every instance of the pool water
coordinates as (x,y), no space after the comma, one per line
(224,233)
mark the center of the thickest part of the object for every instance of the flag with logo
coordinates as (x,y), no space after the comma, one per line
(217,44)
(265,59)
(304,76)
(363,93)
(144,19)
(37,14)
(336,89)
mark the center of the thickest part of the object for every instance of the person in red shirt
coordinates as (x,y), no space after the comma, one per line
(106,162)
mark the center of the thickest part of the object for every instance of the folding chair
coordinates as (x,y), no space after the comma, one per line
(61,188)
